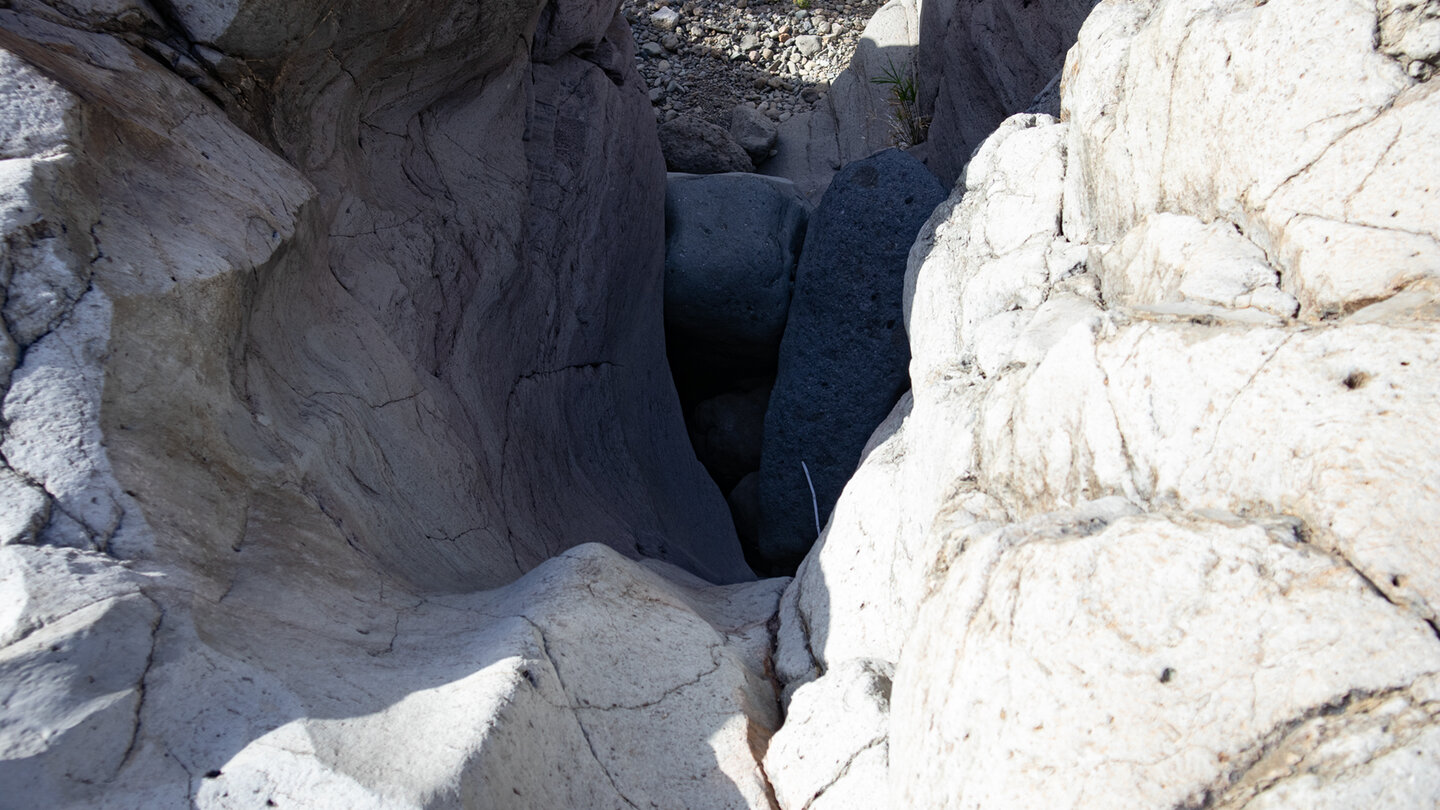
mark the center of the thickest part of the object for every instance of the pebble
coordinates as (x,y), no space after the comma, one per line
(706,56)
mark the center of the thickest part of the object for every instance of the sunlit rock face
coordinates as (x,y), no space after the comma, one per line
(1157,525)
(335,419)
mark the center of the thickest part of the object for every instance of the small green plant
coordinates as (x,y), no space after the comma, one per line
(802,3)
(909,126)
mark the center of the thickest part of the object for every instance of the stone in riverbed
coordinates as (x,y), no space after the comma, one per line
(698,147)
(844,355)
(665,18)
(755,133)
(732,243)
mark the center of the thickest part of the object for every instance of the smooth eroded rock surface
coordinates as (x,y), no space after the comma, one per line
(731,245)
(322,325)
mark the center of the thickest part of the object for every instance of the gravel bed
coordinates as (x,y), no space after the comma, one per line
(702,58)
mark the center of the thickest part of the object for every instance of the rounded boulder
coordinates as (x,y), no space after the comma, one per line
(731,245)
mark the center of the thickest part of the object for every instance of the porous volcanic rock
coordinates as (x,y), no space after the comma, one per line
(843,358)
(731,245)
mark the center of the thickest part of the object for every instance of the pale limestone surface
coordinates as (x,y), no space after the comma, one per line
(1154,421)
(835,771)
(1286,121)
(1144,662)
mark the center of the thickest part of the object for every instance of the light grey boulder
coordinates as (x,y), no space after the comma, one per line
(731,245)
(807,44)
(699,147)
(754,131)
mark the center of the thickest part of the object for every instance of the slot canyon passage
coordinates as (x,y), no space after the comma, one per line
(1068,372)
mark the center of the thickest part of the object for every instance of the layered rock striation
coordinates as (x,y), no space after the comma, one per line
(332,338)
(313,315)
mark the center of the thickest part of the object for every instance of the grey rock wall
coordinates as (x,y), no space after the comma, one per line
(313,315)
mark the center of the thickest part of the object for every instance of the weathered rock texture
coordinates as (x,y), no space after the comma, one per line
(1157,526)
(731,244)
(693,145)
(314,312)
(856,117)
(592,681)
(982,61)
(843,357)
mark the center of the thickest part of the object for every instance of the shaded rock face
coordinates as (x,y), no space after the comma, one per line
(1156,526)
(731,245)
(855,119)
(427,276)
(312,315)
(843,357)
(973,64)
(727,432)
(699,147)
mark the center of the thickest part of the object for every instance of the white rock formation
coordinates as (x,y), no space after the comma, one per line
(1156,527)
(312,345)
